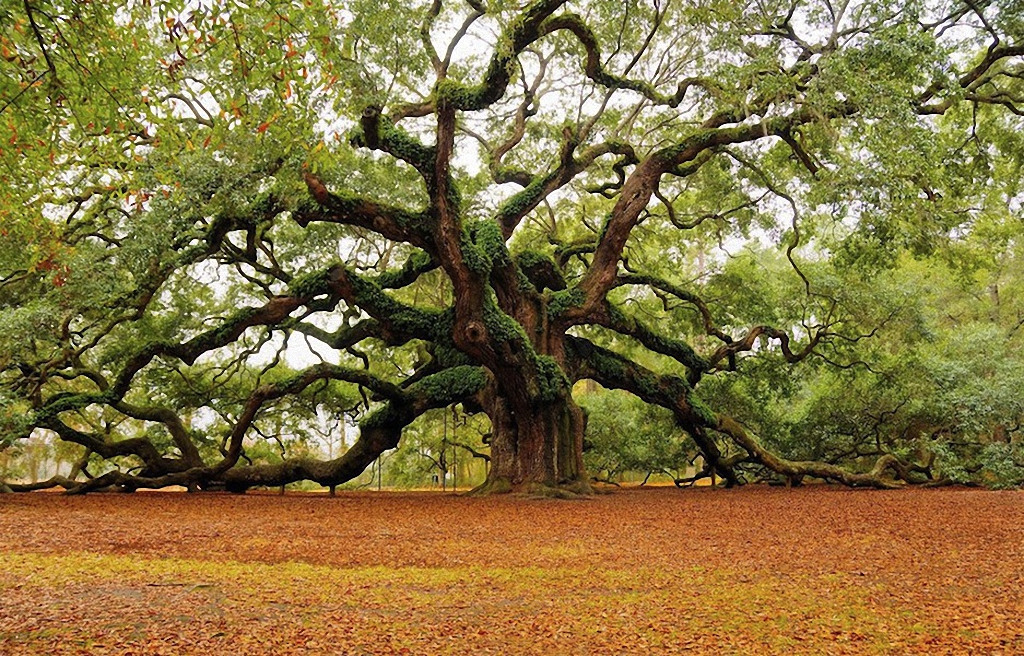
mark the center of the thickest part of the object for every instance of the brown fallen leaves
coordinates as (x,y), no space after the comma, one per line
(816,570)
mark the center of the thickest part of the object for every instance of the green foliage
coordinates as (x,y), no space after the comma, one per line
(1002,465)
(434,452)
(626,435)
(931,376)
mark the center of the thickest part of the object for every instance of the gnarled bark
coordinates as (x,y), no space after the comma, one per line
(536,449)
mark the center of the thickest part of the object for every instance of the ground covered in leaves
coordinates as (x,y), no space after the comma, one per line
(751,571)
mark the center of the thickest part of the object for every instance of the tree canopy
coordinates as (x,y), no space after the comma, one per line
(225,225)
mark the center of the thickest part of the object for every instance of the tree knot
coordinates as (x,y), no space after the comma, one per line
(476,332)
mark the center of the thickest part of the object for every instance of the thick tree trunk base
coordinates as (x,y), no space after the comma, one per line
(570,490)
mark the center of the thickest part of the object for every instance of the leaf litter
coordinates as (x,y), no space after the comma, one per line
(814,570)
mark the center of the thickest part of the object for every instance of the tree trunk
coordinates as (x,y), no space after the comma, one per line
(536,449)
(536,426)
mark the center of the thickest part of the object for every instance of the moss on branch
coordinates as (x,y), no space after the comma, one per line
(552,383)
(416,265)
(560,302)
(368,295)
(69,403)
(540,270)
(395,141)
(674,348)
(500,326)
(310,284)
(390,415)
(521,32)
(450,385)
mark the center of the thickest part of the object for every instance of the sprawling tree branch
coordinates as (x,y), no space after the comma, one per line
(587,360)
(392,223)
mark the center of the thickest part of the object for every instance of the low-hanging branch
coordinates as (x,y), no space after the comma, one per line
(615,371)
(747,342)
(615,319)
(684,295)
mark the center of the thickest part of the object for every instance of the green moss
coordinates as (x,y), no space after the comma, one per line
(226,332)
(478,97)
(676,386)
(413,322)
(648,385)
(522,202)
(487,236)
(451,385)
(399,143)
(449,356)
(343,200)
(455,94)
(69,403)
(551,380)
(475,258)
(608,367)
(523,283)
(444,351)
(390,415)
(702,410)
(406,319)
(483,246)
(310,284)
(675,348)
(709,138)
(561,302)
(540,270)
(500,326)
(502,66)
(417,263)
(530,259)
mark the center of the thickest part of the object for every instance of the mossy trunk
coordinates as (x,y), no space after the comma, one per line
(536,449)
(536,426)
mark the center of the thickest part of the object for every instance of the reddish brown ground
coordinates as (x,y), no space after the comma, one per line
(752,571)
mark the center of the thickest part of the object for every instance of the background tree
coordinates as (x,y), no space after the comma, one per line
(935,382)
(465,203)
(626,435)
(442,449)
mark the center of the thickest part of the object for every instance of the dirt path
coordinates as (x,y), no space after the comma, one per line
(756,570)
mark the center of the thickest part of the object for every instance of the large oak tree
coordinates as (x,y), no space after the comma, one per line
(475,203)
